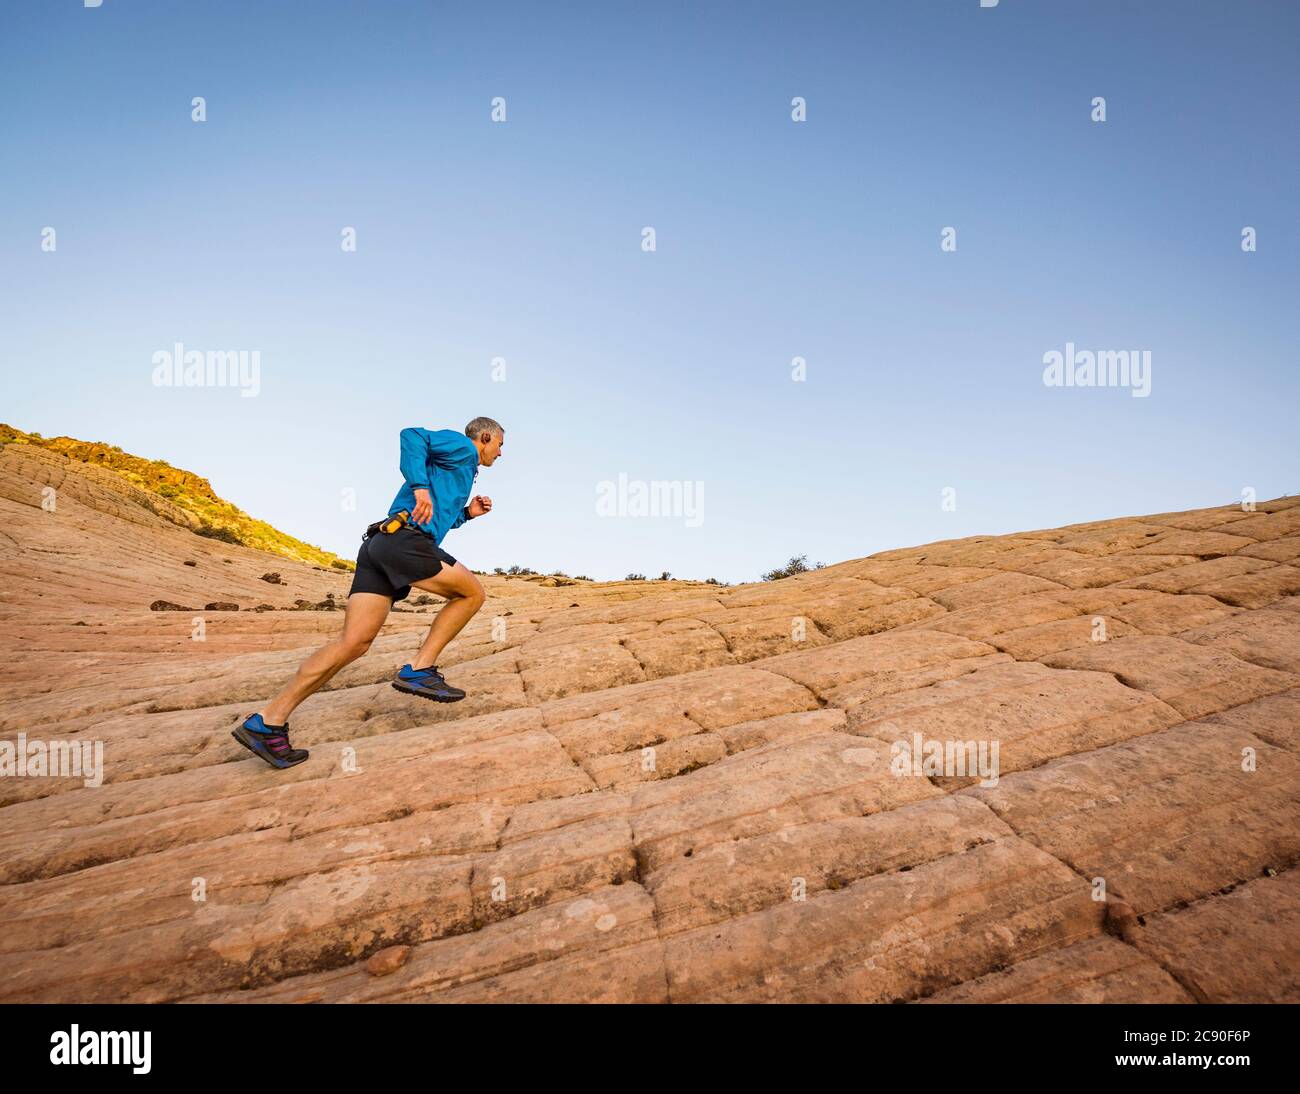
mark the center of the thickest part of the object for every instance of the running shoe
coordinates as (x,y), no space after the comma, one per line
(426,683)
(270,743)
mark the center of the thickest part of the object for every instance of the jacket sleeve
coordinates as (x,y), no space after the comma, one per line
(461,517)
(419,447)
(415,451)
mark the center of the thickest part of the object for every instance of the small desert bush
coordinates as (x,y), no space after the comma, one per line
(796,565)
(211,531)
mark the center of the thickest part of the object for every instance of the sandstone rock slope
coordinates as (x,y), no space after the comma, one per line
(661,791)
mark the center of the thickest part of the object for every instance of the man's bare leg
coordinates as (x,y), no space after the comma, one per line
(464,598)
(365,616)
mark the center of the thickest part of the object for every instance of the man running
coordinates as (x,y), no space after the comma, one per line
(439,468)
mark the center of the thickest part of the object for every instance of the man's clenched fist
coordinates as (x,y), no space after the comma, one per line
(480,505)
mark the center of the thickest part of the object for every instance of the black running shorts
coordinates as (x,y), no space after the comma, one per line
(388,564)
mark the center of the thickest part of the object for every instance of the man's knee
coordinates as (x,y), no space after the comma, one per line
(472,593)
(456,583)
(355,646)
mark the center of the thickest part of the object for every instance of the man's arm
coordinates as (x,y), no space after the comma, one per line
(414,458)
(419,447)
(478,505)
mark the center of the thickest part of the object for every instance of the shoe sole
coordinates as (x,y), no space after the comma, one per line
(427,694)
(243,737)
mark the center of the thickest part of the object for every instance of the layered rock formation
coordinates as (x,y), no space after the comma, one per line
(661,791)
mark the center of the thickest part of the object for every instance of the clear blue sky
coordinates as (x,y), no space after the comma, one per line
(775,239)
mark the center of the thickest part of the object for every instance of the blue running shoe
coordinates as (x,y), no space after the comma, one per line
(270,743)
(427,684)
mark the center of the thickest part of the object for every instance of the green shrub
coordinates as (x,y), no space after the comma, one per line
(211,531)
(796,565)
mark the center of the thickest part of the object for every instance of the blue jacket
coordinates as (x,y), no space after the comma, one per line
(445,463)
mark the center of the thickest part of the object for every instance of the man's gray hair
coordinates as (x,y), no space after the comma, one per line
(484,425)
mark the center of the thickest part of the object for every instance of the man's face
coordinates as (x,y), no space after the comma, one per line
(491,448)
